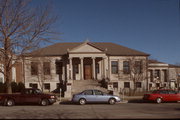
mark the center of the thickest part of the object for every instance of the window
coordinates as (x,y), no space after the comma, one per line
(59,66)
(57,85)
(46,68)
(76,68)
(138,84)
(47,86)
(165,75)
(126,67)
(33,85)
(115,84)
(97,68)
(151,76)
(157,84)
(155,91)
(150,85)
(157,74)
(88,92)
(176,85)
(172,92)
(138,67)
(1,80)
(114,67)
(34,68)
(126,84)
(97,92)
(163,92)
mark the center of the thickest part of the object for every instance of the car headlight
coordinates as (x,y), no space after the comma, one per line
(117,98)
(52,97)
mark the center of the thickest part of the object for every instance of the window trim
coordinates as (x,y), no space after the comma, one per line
(138,84)
(138,66)
(48,70)
(125,85)
(34,68)
(49,86)
(126,66)
(114,66)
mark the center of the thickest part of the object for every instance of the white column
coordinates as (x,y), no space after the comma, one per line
(14,74)
(82,68)
(70,68)
(94,72)
(102,69)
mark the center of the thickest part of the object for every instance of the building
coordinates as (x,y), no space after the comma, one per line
(16,73)
(122,68)
(162,75)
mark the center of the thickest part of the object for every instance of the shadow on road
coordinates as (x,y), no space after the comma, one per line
(66,103)
(139,101)
(71,103)
(135,101)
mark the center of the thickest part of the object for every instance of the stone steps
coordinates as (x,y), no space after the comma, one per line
(79,86)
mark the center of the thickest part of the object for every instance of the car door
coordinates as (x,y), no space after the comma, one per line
(89,95)
(100,96)
(31,97)
(173,96)
(164,94)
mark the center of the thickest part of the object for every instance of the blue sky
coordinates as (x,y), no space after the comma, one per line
(150,26)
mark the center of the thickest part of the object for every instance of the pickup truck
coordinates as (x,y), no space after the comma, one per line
(27,96)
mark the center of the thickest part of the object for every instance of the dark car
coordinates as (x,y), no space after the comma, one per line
(94,96)
(162,95)
(27,96)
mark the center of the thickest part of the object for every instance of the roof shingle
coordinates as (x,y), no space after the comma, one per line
(111,49)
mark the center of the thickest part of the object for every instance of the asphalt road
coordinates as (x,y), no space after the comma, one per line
(93,111)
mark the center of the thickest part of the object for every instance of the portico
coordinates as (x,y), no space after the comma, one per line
(87,67)
(86,62)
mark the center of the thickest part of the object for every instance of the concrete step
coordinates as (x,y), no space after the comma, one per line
(80,85)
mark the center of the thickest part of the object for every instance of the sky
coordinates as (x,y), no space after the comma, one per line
(150,26)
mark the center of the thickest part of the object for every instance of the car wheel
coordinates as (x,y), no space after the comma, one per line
(158,100)
(112,101)
(44,102)
(10,102)
(82,101)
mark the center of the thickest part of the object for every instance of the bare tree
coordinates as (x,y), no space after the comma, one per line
(40,69)
(135,70)
(22,29)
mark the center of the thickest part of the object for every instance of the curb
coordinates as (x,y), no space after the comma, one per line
(123,101)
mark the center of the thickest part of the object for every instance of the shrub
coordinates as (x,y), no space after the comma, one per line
(2,87)
(21,86)
(14,87)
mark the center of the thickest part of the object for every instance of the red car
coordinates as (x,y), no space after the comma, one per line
(162,95)
(27,96)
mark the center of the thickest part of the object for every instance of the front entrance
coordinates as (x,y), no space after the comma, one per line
(87,72)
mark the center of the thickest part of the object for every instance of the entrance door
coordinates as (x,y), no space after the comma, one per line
(87,72)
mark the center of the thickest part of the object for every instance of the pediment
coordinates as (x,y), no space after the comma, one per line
(85,48)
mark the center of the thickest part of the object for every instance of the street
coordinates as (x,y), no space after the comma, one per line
(93,111)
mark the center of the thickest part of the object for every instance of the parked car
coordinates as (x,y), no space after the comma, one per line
(27,96)
(162,95)
(94,96)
